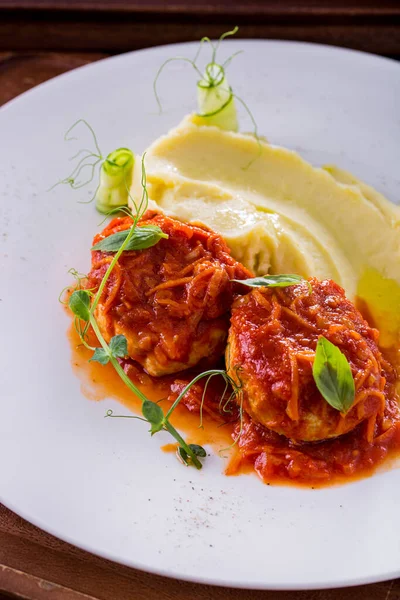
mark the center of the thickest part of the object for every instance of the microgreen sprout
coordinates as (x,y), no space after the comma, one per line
(115,171)
(216,99)
(213,79)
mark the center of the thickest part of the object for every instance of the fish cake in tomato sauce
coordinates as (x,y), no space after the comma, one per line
(170,301)
(271,350)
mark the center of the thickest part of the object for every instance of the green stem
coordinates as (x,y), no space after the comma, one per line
(115,363)
(189,385)
(171,429)
(168,426)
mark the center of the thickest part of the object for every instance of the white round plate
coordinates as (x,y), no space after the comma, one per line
(104,484)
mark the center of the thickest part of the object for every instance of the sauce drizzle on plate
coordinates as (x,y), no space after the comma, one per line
(274,458)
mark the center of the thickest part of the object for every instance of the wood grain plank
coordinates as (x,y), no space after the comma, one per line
(27,586)
(254,7)
(121,25)
(20,72)
(108,36)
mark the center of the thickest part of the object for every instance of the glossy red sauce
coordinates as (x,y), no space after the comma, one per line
(273,457)
(161,296)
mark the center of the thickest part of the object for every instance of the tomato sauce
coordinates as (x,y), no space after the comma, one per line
(273,457)
(101,382)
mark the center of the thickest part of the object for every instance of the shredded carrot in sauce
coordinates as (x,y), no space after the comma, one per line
(180,291)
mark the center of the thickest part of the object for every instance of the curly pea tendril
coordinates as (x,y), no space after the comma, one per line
(114,172)
(215,97)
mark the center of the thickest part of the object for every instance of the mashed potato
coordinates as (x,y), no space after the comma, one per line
(279,214)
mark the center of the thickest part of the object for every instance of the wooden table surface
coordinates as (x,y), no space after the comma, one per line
(40,39)
(120,25)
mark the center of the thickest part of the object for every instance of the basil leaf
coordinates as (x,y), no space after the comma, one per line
(198,450)
(118,346)
(142,238)
(79,303)
(272,281)
(332,375)
(101,356)
(154,415)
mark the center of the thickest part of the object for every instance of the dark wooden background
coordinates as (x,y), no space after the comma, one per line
(119,25)
(42,38)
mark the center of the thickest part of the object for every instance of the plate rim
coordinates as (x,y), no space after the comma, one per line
(112,556)
(246,41)
(202,580)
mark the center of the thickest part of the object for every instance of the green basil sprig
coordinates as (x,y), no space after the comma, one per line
(284,280)
(142,238)
(332,375)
